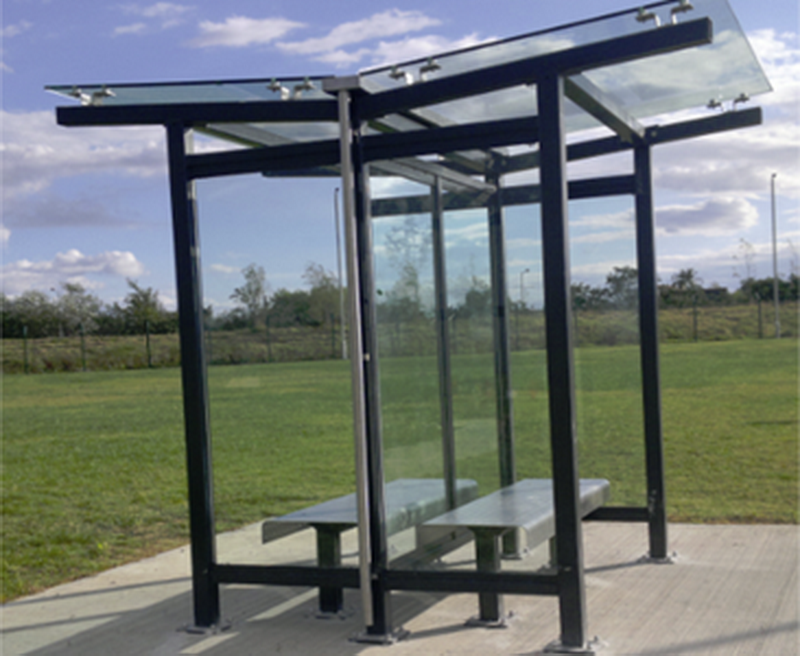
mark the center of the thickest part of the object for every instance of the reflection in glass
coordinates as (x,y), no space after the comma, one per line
(606,336)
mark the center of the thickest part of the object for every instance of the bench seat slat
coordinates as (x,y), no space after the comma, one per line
(409,502)
(528,504)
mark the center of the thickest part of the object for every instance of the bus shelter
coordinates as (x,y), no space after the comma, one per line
(463,129)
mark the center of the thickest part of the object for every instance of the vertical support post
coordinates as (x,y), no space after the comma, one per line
(502,350)
(560,366)
(205,590)
(443,345)
(380,630)
(359,394)
(648,330)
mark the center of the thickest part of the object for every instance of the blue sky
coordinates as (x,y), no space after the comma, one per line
(91,205)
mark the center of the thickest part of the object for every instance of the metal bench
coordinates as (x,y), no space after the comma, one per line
(409,502)
(526,505)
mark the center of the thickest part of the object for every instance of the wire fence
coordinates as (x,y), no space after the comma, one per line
(395,339)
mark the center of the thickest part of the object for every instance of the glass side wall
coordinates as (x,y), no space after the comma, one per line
(469,294)
(608,376)
(527,336)
(438,413)
(280,404)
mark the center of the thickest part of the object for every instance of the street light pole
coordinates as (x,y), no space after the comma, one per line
(522,289)
(339,266)
(775,260)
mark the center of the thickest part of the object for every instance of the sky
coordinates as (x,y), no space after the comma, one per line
(91,205)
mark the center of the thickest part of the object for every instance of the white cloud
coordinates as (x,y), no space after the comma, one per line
(422,46)
(5,235)
(166,14)
(136,28)
(16,29)
(717,216)
(49,210)
(225,269)
(72,266)
(240,31)
(387,23)
(36,151)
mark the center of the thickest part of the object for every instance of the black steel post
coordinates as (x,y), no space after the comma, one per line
(193,375)
(502,350)
(381,628)
(443,345)
(648,330)
(560,366)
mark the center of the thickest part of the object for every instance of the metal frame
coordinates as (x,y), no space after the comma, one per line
(557,76)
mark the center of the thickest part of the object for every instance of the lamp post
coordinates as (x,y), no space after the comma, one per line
(775,261)
(339,267)
(522,288)
(521,301)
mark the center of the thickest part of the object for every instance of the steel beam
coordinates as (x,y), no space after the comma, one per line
(596,102)
(192,114)
(560,366)
(648,332)
(205,590)
(443,345)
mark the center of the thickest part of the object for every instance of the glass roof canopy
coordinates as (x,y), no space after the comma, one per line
(444,121)
(708,75)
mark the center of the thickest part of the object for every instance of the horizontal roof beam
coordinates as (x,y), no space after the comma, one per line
(654,135)
(618,185)
(596,102)
(192,114)
(452,138)
(528,71)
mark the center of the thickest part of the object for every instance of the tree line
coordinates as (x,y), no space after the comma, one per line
(685,289)
(75,311)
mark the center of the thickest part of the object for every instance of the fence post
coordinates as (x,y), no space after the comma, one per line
(694,317)
(269,341)
(333,336)
(147,343)
(760,320)
(83,345)
(25,347)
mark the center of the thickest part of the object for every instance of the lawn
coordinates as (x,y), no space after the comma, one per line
(93,463)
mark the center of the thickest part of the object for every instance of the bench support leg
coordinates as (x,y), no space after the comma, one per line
(487,554)
(329,554)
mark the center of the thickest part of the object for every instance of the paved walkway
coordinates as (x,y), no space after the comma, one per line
(732,590)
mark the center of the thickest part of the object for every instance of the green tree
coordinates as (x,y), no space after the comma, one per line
(323,295)
(77,308)
(622,286)
(253,294)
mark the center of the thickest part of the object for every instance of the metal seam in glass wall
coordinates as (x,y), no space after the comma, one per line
(194,379)
(648,327)
(443,344)
(502,351)
(560,367)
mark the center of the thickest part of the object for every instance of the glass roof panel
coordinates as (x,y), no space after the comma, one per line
(308,88)
(718,73)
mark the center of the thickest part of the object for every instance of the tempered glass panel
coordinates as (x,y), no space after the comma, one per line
(195,92)
(472,345)
(721,71)
(610,421)
(527,336)
(281,428)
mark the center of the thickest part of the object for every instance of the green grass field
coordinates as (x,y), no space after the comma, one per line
(94,474)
